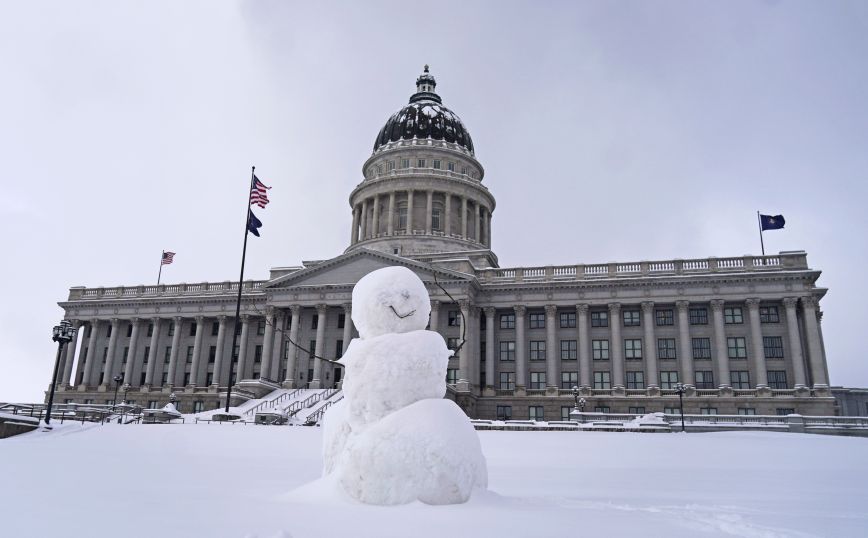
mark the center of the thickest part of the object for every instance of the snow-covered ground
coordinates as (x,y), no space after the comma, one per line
(238,481)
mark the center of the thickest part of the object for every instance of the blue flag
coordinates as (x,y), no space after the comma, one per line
(772,222)
(253,224)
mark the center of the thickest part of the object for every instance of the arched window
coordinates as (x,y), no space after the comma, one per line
(402,215)
(436,217)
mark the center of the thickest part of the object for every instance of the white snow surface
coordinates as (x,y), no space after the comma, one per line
(393,439)
(225,481)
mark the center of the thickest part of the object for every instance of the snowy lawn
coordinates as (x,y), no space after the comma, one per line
(238,481)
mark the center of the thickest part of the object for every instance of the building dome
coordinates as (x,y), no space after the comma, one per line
(424,117)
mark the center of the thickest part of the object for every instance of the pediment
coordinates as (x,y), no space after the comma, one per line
(347,269)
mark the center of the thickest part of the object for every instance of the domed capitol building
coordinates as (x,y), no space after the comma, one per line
(743,333)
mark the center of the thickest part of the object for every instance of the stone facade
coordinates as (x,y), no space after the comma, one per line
(743,333)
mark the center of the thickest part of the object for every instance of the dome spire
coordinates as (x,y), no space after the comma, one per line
(425,83)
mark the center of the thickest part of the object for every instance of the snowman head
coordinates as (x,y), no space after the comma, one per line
(390,300)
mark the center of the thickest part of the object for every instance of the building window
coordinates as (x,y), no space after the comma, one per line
(538,380)
(739,379)
(778,379)
(165,377)
(537,320)
(147,354)
(420,163)
(565,412)
(736,347)
(342,320)
(601,409)
(507,351)
(704,379)
(464,170)
(314,321)
(436,164)
(126,354)
(436,223)
(504,412)
(212,355)
(129,330)
(339,349)
(746,411)
(152,404)
(186,378)
(257,353)
(599,319)
(189,354)
(783,411)
(402,216)
(260,328)
(708,411)
(698,316)
(665,348)
(636,410)
(453,318)
(569,350)
(569,380)
(405,163)
(701,348)
(450,166)
(452,376)
(635,380)
(168,355)
(537,350)
(773,347)
(209,378)
(665,317)
(193,327)
(568,320)
(631,318)
(150,329)
(507,380)
(215,328)
(671,411)
(535,412)
(198,406)
(633,349)
(602,380)
(600,350)
(769,314)
(507,321)
(668,380)
(452,343)
(732,315)
(108,331)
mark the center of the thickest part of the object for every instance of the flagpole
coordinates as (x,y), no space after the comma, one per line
(760,224)
(238,300)
(160,273)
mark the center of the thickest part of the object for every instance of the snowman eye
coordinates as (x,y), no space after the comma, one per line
(405,294)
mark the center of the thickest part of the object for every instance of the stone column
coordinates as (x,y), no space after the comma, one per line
(464,329)
(348,326)
(172,378)
(448,204)
(354,237)
(616,348)
(473,342)
(292,360)
(478,220)
(391,226)
(319,349)
(520,347)
(267,344)
(552,357)
(376,224)
(756,339)
(584,345)
(488,228)
(429,212)
(464,217)
(277,351)
(409,228)
(434,320)
(815,346)
(90,371)
(70,355)
(364,220)
(490,313)
(197,353)
(131,354)
(153,352)
(795,342)
(82,359)
(685,348)
(720,351)
(243,363)
(650,345)
(218,353)
(110,355)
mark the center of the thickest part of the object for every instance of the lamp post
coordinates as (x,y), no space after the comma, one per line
(61,334)
(123,416)
(680,389)
(117,379)
(580,402)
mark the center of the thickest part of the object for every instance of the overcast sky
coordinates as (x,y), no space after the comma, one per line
(609,131)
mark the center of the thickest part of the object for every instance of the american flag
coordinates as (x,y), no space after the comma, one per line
(167,258)
(258,193)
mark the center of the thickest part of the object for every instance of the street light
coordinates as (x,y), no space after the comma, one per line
(680,389)
(126,390)
(124,404)
(580,402)
(117,379)
(61,334)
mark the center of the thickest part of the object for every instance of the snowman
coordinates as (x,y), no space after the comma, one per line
(394,439)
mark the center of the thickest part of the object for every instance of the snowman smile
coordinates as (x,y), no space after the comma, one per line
(402,316)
